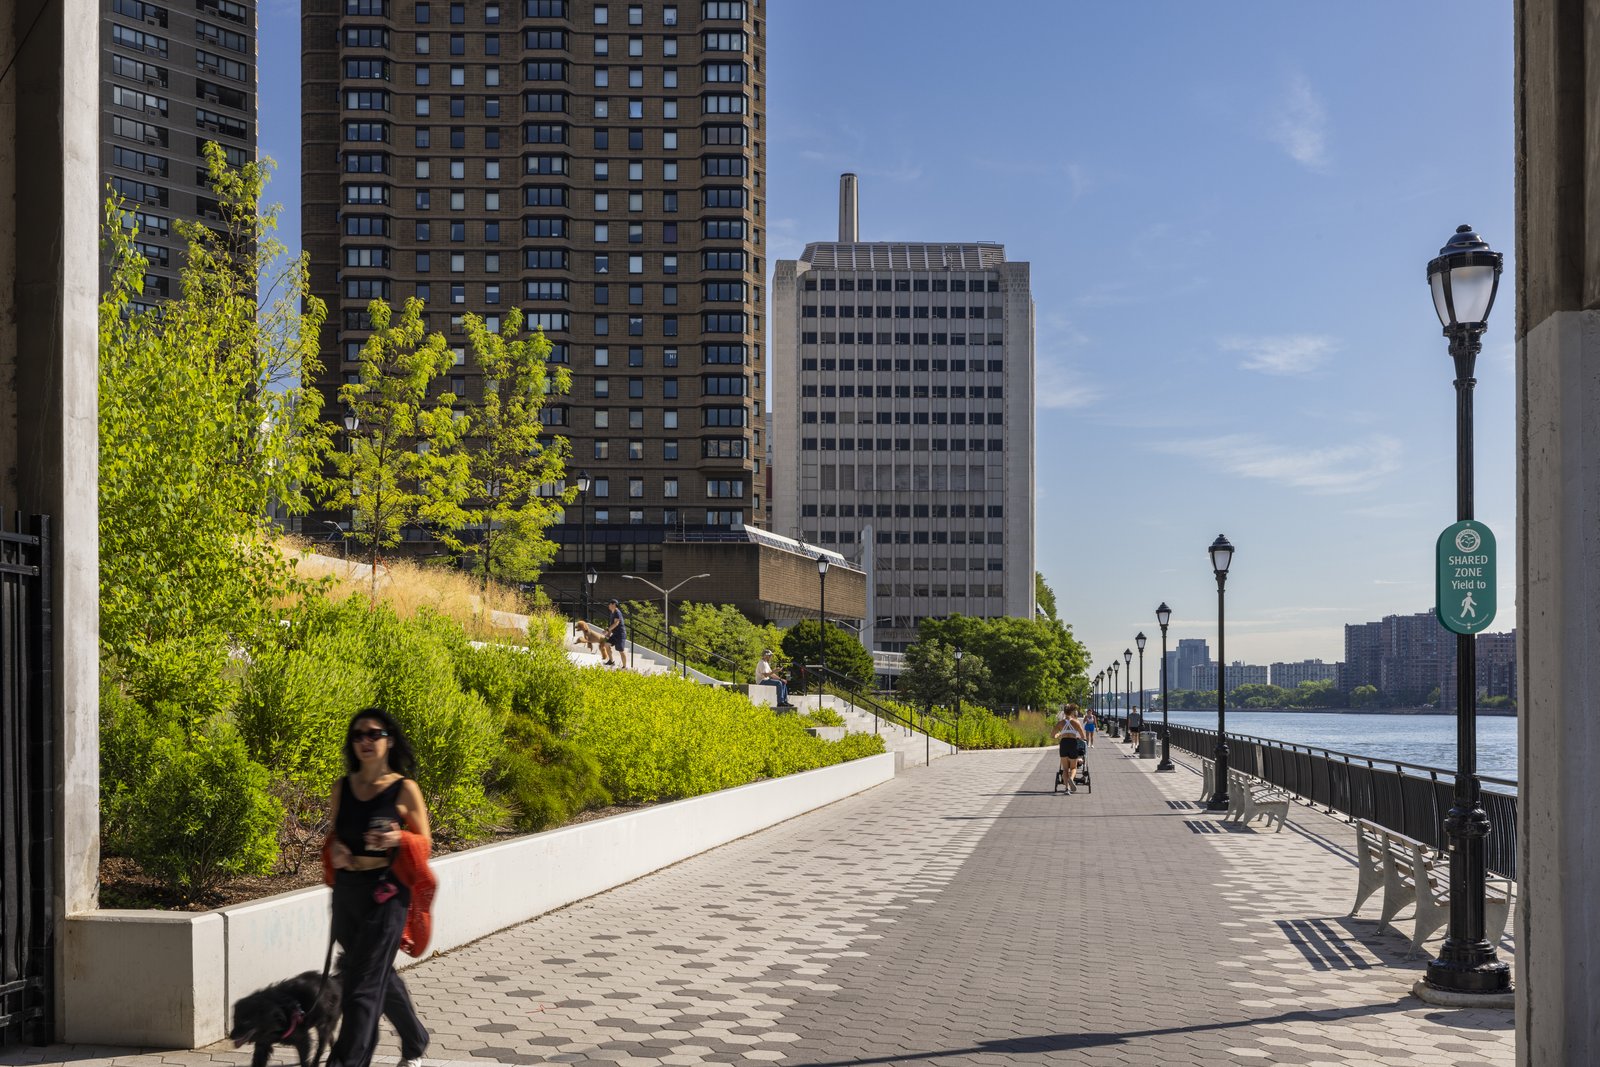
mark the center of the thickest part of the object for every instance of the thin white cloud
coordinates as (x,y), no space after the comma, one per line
(1347,468)
(1059,388)
(1299,124)
(1286,354)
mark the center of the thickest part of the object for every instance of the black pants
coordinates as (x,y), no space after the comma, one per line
(369,935)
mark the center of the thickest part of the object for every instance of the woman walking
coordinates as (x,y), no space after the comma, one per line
(1089,726)
(1071,734)
(376,859)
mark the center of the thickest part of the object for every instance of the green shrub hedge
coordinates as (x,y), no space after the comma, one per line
(201,749)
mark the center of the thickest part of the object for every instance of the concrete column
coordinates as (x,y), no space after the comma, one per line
(49,137)
(1558,527)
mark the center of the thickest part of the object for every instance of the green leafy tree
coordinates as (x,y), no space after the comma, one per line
(511,465)
(725,631)
(1030,661)
(404,464)
(1259,696)
(845,652)
(205,424)
(1363,696)
(932,678)
(1316,695)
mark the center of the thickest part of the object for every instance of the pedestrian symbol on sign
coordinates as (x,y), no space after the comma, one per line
(1468,610)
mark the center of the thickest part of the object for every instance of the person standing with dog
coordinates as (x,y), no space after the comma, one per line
(617,632)
(376,859)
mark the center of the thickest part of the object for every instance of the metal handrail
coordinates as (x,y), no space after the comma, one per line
(1364,787)
(675,648)
(1346,756)
(863,698)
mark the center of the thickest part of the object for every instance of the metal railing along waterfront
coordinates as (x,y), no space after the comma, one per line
(1409,798)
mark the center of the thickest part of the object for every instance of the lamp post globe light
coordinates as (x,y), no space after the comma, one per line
(583,543)
(1127,691)
(1464,278)
(1164,616)
(1221,552)
(822,620)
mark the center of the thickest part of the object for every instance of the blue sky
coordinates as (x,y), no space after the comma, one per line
(1229,209)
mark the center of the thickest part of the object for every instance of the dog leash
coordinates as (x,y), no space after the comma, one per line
(322,984)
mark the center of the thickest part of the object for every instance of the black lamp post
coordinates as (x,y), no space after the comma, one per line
(1221,558)
(1164,616)
(351,424)
(1115,670)
(959,653)
(822,620)
(1127,691)
(1464,278)
(583,542)
(1099,708)
(1138,642)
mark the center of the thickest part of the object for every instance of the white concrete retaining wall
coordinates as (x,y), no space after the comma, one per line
(169,979)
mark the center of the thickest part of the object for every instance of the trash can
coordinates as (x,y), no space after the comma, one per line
(1147,744)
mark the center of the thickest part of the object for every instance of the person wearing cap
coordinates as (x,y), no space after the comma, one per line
(766,674)
(617,632)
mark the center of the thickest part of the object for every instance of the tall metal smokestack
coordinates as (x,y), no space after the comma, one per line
(849,210)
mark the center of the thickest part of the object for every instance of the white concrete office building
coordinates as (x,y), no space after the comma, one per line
(902,423)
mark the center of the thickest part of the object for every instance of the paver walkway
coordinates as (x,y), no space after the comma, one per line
(960,915)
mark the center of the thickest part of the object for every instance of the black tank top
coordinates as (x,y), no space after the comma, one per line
(355,816)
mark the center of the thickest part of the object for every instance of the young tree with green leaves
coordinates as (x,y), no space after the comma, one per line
(404,463)
(803,645)
(932,678)
(509,460)
(206,423)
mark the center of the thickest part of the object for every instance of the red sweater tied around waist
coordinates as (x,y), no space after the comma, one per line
(410,866)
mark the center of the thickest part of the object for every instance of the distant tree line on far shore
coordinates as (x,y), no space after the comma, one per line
(1310,695)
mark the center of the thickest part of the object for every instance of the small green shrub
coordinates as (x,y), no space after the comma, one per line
(824,717)
(299,693)
(203,812)
(128,736)
(546,781)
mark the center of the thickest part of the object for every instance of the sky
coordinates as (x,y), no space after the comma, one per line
(1229,209)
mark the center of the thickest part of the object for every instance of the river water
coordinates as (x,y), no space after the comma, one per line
(1429,740)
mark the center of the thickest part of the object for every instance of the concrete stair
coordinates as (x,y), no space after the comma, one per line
(915,747)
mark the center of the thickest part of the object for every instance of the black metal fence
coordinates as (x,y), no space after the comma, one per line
(26,778)
(1406,797)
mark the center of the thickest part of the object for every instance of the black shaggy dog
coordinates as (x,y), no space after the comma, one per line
(286,1013)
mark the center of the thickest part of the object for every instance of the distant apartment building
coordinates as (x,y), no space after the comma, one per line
(1415,650)
(1191,652)
(599,165)
(1363,656)
(1204,676)
(903,421)
(1290,675)
(1497,668)
(172,77)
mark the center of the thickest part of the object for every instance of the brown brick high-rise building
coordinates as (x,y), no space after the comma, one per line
(172,77)
(602,167)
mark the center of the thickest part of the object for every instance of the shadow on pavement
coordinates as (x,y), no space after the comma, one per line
(1092,1039)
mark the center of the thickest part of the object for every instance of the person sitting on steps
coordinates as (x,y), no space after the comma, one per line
(766,674)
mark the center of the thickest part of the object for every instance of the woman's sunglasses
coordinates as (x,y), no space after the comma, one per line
(368,735)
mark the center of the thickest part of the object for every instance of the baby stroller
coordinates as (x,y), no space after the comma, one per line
(1082,778)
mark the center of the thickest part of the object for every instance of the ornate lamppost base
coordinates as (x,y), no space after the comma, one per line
(1451,998)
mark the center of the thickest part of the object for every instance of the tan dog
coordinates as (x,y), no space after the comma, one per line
(593,638)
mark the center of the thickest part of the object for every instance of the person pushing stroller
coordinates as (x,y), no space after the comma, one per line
(1074,743)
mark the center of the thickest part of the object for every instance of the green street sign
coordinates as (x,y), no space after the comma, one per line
(1465,585)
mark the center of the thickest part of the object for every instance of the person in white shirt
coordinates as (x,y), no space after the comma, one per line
(767,675)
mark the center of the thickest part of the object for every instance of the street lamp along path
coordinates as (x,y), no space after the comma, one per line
(1464,278)
(1221,552)
(1164,616)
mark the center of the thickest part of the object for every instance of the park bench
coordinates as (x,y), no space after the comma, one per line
(1250,798)
(1208,773)
(1412,872)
